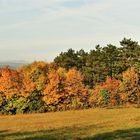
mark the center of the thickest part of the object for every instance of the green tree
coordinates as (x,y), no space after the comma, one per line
(105,95)
(67,59)
(110,58)
(130,52)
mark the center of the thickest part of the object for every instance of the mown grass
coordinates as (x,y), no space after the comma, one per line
(91,124)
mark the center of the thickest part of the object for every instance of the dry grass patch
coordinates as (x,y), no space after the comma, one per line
(108,124)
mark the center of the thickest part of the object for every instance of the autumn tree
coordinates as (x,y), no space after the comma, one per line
(129,86)
(10,83)
(34,77)
(137,68)
(75,92)
(106,93)
(54,89)
(112,85)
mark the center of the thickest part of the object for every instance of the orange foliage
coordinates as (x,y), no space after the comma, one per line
(130,77)
(73,83)
(112,86)
(27,87)
(34,76)
(53,92)
(10,83)
(64,88)
(74,88)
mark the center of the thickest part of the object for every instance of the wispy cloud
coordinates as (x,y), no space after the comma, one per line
(45,27)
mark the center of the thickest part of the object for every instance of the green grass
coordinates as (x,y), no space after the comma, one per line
(91,124)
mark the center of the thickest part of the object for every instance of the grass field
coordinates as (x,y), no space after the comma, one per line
(94,124)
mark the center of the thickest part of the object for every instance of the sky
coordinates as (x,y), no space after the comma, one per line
(34,30)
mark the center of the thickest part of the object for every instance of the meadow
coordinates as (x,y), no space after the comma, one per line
(90,124)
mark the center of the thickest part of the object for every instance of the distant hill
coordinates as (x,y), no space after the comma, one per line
(12,64)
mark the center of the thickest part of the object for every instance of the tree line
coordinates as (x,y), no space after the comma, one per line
(106,76)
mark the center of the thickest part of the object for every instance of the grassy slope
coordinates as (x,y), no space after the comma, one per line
(95,124)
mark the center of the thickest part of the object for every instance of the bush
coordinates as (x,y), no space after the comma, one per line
(35,103)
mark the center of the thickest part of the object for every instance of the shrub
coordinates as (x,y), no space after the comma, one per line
(105,96)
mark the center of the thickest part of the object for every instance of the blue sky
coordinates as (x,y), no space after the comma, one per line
(40,29)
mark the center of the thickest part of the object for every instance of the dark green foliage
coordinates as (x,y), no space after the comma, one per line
(14,105)
(20,105)
(67,59)
(2,105)
(130,52)
(35,103)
